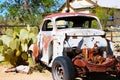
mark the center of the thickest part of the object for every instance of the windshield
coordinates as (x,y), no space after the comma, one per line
(77,22)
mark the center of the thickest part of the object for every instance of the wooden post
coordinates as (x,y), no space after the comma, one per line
(68,6)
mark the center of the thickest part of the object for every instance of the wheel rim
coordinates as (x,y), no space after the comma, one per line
(59,72)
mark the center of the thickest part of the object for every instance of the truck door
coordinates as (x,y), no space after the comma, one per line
(46,38)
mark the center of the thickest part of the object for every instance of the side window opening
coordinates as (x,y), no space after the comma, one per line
(47,26)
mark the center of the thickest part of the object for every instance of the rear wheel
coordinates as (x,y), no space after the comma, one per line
(63,69)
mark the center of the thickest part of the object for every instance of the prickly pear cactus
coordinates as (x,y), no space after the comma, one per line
(34,30)
(9,32)
(6,39)
(23,34)
(33,37)
(14,45)
(1,42)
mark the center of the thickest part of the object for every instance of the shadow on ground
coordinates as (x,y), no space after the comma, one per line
(99,76)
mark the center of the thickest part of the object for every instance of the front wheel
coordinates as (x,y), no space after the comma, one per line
(118,76)
(63,69)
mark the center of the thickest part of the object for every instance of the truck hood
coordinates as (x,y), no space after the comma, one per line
(86,37)
(81,32)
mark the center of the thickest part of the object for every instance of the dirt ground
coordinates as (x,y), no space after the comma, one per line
(36,75)
(44,75)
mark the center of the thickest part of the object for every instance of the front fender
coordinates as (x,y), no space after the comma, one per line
(79,63)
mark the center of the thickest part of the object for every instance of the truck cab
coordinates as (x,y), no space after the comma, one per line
(74,43)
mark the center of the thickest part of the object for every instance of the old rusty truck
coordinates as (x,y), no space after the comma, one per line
(73,44)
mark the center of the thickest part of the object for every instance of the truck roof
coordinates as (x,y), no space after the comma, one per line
(69,14)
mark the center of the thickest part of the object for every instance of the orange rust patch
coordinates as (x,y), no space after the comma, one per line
(46,41)
(35,50)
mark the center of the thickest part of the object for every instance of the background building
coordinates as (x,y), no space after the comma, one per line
(109,7)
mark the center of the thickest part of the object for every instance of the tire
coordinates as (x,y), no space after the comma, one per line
(35,60)
(63,69)
(34,53)
(118,76)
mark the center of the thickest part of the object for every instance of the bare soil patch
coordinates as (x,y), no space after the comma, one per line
(36,75)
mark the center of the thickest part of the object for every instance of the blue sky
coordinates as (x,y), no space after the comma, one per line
(1,1)
(102,3)
(3,13)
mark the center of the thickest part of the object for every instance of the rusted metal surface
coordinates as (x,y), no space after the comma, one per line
(96,62)
(46,41)
(74,36)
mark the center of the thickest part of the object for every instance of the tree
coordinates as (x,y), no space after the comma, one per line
(2,21)
(104,14)
(29,11)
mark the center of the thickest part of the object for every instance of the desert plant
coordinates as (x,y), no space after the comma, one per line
(14,45)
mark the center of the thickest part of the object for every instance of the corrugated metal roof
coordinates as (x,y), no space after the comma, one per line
(108,3)
(81,4)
